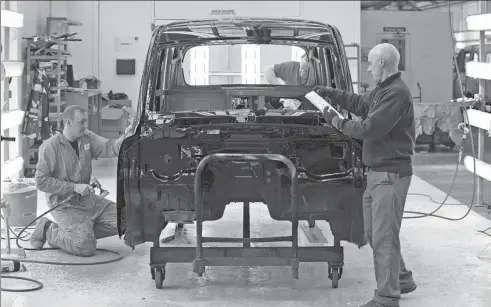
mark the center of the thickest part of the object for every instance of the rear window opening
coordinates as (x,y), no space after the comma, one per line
(208,69)
(239,64)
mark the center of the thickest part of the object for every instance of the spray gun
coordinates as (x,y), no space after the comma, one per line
(94,183)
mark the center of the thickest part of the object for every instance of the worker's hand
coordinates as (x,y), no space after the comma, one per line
(322,91)
(83,189)
(127,131)
(94,181)
(329,115)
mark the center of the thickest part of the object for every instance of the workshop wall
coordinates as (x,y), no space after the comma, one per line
(101,28)
(84,53)
(35,14)
(428,45)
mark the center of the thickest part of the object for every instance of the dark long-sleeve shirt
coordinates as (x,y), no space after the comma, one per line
(387,127)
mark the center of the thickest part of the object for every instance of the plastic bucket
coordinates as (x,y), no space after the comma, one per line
(23,205)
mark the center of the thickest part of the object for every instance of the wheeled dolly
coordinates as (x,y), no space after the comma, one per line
(201,257)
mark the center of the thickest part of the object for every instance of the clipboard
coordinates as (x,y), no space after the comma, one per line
(320,103)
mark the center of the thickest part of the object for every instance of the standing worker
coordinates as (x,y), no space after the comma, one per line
(64,169)
(388,131)
(291,73)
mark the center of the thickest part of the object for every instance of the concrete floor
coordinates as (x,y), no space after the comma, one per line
(442,255)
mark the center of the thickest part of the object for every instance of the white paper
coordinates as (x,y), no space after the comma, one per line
(320,103)
(292,104)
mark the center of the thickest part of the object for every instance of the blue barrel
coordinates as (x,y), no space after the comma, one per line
(23,205)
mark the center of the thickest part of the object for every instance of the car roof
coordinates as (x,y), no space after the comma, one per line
(246,28)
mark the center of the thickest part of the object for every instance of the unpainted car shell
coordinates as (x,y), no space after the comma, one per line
(141,198)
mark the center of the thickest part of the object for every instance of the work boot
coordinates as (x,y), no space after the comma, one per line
(407,283)
(38,237)
(373,304)
(409,289)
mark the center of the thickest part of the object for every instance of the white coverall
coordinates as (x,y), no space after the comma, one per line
(85,218)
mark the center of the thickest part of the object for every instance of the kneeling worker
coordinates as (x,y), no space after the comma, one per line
(64,169)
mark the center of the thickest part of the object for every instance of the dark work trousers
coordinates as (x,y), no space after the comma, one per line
(383,206)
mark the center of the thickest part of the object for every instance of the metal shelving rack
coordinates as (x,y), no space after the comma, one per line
(55,67)
(480,118)
(61,60)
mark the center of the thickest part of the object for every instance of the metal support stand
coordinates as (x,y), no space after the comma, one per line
(246,255)
(201,261)
(246,224)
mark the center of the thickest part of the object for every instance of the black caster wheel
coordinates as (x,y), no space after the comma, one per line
(159,277)
(335,275)
(152,272)
(335,278)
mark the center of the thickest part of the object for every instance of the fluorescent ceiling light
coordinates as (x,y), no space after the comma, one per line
(478,70)
(479,22)
(12,69)
(12,119)
(12,167)
(12,19)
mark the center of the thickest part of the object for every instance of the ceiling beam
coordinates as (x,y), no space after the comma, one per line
(372,4)
(390,5)
(414,6)
(437,4)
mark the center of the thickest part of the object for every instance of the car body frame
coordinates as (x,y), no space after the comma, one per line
(177,125)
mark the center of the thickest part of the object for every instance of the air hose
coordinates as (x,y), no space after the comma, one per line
(39,284)
(464,129)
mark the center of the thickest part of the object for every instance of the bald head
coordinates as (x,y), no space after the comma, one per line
(383,61)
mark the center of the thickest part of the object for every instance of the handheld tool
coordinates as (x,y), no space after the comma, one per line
(96,184)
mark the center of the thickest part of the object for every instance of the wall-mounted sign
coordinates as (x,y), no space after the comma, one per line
(125,44)
(222,12)
(394,29)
